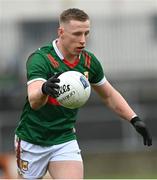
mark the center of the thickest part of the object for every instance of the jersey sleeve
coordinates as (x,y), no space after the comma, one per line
(98,76)
(36,68)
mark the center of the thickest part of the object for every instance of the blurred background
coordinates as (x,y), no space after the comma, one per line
(124,38)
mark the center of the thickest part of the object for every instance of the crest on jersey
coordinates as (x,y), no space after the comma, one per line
(23,165)
(86,73)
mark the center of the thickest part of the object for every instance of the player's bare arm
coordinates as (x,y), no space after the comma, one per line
(35,96)
(114,100)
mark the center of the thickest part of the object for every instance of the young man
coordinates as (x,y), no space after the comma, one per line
(45,139)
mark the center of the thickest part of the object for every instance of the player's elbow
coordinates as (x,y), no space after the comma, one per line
(34,105)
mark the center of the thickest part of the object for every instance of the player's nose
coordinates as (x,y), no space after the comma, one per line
(83,39)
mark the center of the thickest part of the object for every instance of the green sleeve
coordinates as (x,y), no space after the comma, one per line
(36,67)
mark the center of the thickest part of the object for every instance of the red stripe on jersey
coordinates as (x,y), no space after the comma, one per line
(18,153)
(54,63)
(71,65)
(87,59)
(53,101)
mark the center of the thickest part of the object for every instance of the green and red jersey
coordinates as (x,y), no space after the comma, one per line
(52,123)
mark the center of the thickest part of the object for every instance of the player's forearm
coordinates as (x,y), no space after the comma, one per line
(37,100)
(35,96)
(119,105)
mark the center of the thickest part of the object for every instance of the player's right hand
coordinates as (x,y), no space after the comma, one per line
(50,87)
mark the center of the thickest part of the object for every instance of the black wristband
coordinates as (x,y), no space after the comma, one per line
(135,119)
(43,88)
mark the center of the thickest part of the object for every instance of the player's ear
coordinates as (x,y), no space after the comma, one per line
(60,31)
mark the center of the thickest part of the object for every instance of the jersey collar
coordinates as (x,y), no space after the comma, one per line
(58,51)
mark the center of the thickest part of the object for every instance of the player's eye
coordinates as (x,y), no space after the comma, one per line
(77,34)
(86,33)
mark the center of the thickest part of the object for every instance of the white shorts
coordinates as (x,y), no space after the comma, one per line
(32,160)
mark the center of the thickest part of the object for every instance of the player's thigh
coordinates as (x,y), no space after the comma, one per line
(66,161)
(66,169)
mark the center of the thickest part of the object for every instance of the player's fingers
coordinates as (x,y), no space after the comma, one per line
(54,86)
(147,141)
(52,92)
(54,80)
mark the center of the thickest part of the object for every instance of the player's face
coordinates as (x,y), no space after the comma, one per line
(74,36)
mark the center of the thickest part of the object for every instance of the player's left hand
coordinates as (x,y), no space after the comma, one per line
(141,128)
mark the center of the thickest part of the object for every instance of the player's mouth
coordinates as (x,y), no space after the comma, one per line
(80,48)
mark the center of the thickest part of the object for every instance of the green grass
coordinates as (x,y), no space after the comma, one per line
(137,165)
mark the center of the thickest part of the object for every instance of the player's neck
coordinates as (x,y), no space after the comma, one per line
(69,57)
